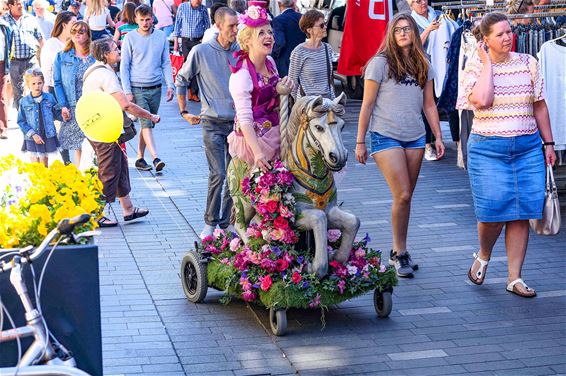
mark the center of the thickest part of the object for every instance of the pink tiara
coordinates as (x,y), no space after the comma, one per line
(255,16)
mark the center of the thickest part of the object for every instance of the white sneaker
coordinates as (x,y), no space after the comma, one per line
(207,231)
(430,153)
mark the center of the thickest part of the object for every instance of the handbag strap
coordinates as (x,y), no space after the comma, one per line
(328,67)
(550,182)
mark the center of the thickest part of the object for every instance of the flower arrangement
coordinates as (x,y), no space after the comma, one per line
(35,198)
(272,269)
(254,16)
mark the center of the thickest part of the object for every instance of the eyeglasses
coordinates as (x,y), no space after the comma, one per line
(322,26)
(78,31)
(404,30)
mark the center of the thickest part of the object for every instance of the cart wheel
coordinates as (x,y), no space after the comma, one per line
(193,277)
(383,303)
(278,321)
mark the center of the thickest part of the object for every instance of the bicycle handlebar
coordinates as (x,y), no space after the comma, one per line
(65,227)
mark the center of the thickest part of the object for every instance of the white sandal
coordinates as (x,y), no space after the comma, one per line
(511,289)
(480,273)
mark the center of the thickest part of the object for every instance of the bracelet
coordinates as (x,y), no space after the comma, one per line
(359,143)
(549,143)
(184,112)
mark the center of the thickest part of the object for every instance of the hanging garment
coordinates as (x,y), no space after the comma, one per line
(447,100)
(437,49)
(551,59)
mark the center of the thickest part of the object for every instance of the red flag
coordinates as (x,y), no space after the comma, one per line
(365,28)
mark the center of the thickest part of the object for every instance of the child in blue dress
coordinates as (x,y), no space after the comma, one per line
(35,119)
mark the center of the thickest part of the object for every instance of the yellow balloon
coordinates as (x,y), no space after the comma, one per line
(99,116)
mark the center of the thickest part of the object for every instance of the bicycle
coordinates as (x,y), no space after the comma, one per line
(45,356)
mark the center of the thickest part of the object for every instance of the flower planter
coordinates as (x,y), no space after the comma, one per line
(70,302)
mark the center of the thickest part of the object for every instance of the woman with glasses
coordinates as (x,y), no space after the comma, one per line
(397,91)
(310,68)
(68,70)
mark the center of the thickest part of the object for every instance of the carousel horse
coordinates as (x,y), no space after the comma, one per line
(312,149)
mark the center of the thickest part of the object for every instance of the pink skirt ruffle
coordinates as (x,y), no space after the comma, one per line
(269,143)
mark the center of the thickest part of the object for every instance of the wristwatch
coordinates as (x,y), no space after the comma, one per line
(184,112)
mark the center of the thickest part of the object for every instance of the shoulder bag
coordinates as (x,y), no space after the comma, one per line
(550,222)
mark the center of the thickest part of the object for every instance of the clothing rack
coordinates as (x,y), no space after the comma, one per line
(482,6)
(536,15)
(483,3)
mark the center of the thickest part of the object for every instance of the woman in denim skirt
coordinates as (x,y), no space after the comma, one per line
(506,161)
(397,91)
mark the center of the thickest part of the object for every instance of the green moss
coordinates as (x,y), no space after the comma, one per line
(225,278)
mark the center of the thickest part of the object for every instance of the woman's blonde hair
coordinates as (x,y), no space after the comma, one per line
(245,35)
(76,27)
(416,64)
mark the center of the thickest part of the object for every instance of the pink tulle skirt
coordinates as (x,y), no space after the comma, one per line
(269,143)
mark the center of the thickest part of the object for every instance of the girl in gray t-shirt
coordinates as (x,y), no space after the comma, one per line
(397,90)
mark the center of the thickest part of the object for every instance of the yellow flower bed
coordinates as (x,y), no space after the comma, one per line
(34,199)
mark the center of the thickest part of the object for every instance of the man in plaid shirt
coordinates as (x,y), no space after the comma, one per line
(27,39)
(191,22)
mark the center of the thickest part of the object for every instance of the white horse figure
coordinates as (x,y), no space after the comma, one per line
(312,148)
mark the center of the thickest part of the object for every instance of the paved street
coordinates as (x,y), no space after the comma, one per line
(441,324)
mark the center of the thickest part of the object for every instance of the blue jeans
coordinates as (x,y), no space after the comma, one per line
(218,204)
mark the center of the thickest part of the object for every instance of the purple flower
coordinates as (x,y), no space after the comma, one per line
(300,259)
(305,284)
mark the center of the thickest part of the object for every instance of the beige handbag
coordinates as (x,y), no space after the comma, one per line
(550,222)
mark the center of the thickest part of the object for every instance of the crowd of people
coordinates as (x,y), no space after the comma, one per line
(238,60)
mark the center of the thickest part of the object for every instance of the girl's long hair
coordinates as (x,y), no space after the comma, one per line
(61,20)
(128,14)
(416,64)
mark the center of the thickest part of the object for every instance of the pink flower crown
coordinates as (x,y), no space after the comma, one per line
(255,16)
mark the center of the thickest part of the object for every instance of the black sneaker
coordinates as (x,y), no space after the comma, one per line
(142,165)
(158,164)
(401,264)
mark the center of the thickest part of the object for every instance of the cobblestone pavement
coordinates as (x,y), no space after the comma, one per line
(441,324)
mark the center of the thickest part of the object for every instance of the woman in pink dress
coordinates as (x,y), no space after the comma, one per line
(255,87)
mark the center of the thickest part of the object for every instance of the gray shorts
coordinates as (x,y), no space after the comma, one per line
(148,98)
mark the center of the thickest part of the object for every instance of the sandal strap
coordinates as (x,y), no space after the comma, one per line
(483,265)
(512,284)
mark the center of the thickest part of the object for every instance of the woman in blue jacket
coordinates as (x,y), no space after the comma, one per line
(68,70)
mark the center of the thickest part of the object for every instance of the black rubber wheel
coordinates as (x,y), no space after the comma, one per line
(383,303)
(193,277)
(354,87)
(278,321)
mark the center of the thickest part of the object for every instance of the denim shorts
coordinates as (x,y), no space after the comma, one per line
(149,99)
(381,143)
(507,177)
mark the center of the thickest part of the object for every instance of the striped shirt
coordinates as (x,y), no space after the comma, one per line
(26,35)
(517,84)
(191,22)
(310,70)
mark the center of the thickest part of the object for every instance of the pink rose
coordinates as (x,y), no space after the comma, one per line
(266,283)
(272,206)
(334,235)
(248,296)
(360,252)
(235,244)
(280,223)
(282,265)
(296,278)
(218,233)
